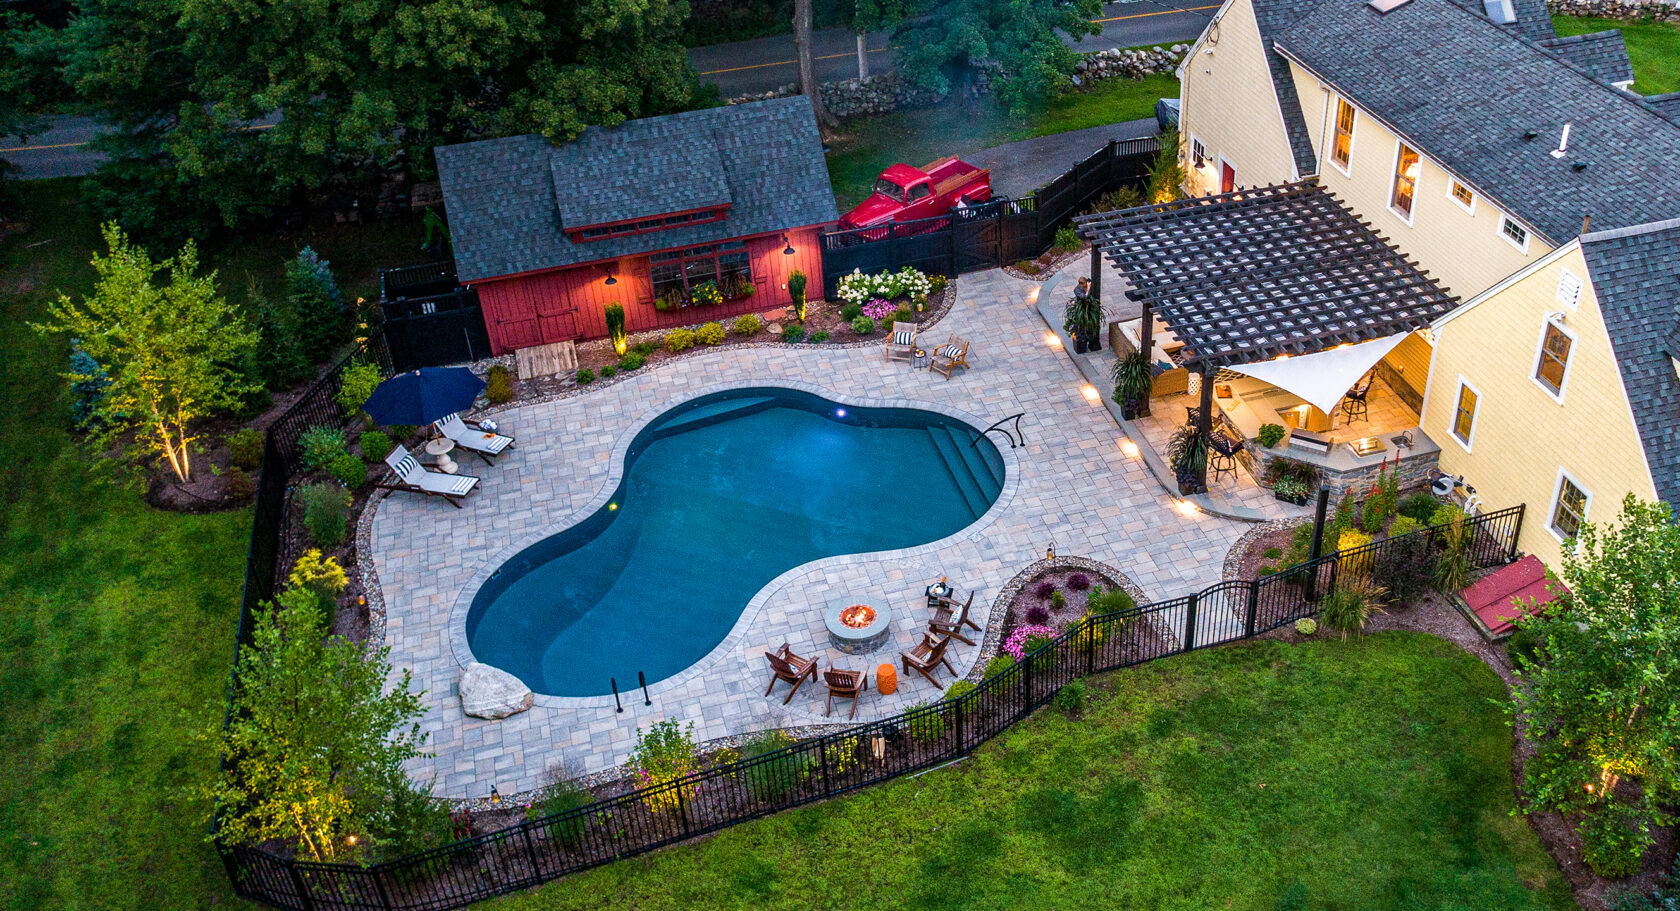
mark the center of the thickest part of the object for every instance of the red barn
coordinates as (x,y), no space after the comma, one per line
(645,214)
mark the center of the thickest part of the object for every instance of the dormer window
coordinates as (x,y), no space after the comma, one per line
(1500,11)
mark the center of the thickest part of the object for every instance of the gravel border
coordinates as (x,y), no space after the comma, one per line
(1232,571)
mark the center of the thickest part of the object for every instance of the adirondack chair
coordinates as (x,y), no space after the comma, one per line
(846,685)
(926,658)
(950,617)
(414,478)
(785,665)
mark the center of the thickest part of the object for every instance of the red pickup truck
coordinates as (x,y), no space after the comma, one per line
(905,193)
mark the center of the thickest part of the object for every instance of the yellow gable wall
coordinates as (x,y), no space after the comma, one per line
(1522,436)
(1464,252)
(1228,104)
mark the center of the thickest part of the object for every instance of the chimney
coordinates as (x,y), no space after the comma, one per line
(1563,143)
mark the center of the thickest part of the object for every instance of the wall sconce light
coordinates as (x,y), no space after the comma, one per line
(611,280)
(789,250)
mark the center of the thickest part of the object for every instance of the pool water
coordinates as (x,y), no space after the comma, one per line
(721,495)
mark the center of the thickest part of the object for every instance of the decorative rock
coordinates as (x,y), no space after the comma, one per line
(488,692)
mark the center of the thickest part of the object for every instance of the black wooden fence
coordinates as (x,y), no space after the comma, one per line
(439,329)
(992,233)
(540,850)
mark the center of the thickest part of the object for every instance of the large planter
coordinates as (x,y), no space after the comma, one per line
(1079,345)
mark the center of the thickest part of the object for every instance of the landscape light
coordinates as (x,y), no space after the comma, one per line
(1091,394)
(1129,448)
(495,795)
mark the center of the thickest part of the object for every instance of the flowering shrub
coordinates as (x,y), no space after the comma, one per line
(705,294)
(663,754)
(906,282)
(1016,644)
(878,308)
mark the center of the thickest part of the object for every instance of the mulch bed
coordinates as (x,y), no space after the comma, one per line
(1060,619)
(1047,264)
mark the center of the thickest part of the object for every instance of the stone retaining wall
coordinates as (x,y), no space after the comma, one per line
(887,92)
(1661,10)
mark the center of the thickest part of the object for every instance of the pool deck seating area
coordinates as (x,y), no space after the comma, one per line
(1071,484)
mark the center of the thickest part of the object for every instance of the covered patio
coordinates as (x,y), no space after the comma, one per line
(1270,306)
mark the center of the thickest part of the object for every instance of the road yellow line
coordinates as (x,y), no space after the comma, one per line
(62,145)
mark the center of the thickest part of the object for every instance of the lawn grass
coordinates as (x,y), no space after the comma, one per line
(116,620)
(1653,47)
(1364,775)
(866,145)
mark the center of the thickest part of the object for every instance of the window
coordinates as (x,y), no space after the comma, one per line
(1464,413)
(1500,11)
(1405,181)
(1552,367)
(1341,151)
(675,274)
(1198,153)
(1569,289)
(1569,508)
(1513,232)
(1461,194)
(920,191)
(643,226)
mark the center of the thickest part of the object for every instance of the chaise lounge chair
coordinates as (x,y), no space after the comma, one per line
(901,344)
(471,438)
(926,658)
(416,479)
(785,665)
(950,356)
(950,617)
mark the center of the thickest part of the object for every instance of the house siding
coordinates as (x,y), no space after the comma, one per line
(1464,252)
(570,303)
(1228,103)
(1522,435)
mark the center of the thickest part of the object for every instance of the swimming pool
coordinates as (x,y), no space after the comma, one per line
(719,496)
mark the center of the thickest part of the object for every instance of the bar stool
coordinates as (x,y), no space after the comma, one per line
(1353,404)
(1223,458)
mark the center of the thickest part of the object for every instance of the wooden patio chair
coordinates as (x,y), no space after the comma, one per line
(901,344)
(846,685)
(785,665)
(926,658)
(472,438)
(950,617)
(950,356)
(414,478)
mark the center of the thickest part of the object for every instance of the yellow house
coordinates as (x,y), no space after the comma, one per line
(1511,166)
(1557,387)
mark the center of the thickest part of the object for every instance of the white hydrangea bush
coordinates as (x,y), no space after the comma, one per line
(857,287)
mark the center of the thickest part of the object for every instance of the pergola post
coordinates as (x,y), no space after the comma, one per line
(1204,423)
(1096,271)
(1146,344)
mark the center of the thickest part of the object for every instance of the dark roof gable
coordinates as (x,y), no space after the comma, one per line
(1602,56)
(1635,274)
(506,216)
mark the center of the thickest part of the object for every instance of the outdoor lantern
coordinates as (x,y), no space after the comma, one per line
(1050,552)
(789,250)
(495,795)
(610,279)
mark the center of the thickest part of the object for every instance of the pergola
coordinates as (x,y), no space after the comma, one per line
(1258,274)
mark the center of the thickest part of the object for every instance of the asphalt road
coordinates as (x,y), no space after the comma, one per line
(737,68)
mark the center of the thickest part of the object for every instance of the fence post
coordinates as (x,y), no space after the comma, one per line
(892,245)
(1090,634)
(1516,532)
(1317,543)
(1190,622)
(301,886)
(1026,686)
(682,808)
(531,849)
(1253,607)
(822,759)
(956,710)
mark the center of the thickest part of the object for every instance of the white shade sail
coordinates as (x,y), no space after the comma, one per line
(1324,377)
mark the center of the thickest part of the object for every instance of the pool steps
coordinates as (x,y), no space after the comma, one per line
(974,477)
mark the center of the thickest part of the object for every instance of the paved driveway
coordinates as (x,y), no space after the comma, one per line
(1018,168)
(1070,484)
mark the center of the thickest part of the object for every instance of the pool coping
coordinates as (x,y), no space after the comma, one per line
(457,624)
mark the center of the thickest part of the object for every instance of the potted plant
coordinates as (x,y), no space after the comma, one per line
(1270,435)
(1291,490)
(1133,379)
(1291,480)
(1082,319)
(1187,452)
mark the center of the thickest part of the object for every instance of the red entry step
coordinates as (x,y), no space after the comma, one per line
(1503,597)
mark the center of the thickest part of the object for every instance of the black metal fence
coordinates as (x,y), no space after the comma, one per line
(990,234)
(544,849)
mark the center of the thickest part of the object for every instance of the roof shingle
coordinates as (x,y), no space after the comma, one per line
(1602,55)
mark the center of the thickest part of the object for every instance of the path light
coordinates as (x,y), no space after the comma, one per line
(1032,296)
(1091,394)
(495,796)
(1052,339)
(1050,552)
(351,841)
(1129,448)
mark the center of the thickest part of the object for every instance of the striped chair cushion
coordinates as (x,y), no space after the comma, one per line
(949,351)
(408,466)
(902,339)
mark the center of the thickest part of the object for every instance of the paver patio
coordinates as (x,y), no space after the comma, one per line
(1070,484)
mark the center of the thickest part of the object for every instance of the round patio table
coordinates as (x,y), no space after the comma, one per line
(440,447)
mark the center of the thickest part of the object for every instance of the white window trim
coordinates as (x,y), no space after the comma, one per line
(1568,365)
(1194,142)
(1499,228)
(1557,495)
(1475,417)
(1353,135)
(1394,183)
(1455,182)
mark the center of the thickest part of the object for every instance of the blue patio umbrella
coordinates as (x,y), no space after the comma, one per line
(422,396)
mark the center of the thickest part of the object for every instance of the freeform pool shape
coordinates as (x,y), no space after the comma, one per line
(719,496)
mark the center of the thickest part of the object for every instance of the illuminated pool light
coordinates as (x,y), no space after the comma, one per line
(839,412)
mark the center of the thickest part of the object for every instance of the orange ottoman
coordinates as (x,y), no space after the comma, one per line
(886,680)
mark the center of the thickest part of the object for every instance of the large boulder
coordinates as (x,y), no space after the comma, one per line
(488,692)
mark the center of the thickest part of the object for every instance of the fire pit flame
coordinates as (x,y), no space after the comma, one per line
(858,616)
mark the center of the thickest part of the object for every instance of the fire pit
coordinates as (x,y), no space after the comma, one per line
(857,629)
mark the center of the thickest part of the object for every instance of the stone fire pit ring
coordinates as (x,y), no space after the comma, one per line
(857,640)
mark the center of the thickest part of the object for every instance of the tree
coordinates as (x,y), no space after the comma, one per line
(169,352)
(1166,172)
(321,320)
(315,744)
(1603,699)
(945,42)
(808,85)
